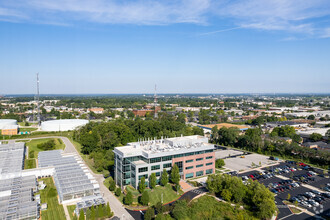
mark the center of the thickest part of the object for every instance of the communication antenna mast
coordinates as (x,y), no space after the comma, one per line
(38,107)
(155,102)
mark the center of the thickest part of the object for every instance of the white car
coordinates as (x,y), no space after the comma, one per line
(304,203)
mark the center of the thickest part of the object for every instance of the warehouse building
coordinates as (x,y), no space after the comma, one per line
(192,154)
(9,130)
(72,179)
(63,125)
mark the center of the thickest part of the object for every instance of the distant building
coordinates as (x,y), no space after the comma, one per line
(192,154)
(284,123)
(249,117)
(97,110)
(10,130)
(208,128)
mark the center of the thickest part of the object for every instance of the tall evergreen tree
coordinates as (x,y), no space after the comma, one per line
(175,175)
(142,184)
(164,178)
(81,215)
(153,180)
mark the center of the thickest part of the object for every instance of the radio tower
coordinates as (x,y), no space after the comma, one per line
(155,102)
(38,107)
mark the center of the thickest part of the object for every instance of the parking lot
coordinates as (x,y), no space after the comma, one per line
(278,179)
(244,163)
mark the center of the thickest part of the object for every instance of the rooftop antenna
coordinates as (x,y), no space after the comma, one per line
(38,107)
(155,102)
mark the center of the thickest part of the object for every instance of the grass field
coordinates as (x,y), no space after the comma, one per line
(55,211)
(34,143)
(71,209)
(30,163)
(27,129)
(155,195)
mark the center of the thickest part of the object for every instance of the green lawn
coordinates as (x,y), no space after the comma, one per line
(27,129)
(155,195)
(34,143)
(71,209)
(55,211)
(30,163)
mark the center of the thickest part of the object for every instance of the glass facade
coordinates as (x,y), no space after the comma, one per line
(210,157)
(199,165)
(209,171)
(167,165)
(156,167)
(199,159)
(189,161)
(189,175)
(155,160)
(200,173)
(143,169)
(188,168)
(208,164)
(180,165)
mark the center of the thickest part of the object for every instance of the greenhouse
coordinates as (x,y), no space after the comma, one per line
(11,158)
(17,198)
(70,179)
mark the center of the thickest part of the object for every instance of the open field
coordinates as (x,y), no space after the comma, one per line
(71,209)
(30,163)
(55,211)
(27,129)
(33,145)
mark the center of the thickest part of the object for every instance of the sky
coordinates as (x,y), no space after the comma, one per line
(183,46)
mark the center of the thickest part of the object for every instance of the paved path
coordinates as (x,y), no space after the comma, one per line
(115,205)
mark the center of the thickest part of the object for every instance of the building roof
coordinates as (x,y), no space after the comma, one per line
(70,177)
(11,157)
(226,125)
(164,147)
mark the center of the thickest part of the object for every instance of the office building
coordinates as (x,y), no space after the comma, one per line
(192,154)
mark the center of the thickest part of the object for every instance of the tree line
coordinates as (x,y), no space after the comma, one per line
(98,139)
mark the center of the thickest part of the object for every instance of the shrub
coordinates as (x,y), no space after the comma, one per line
(118,192)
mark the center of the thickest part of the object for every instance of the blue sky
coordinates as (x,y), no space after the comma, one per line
(183,46)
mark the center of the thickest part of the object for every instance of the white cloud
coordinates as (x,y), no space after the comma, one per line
(304,17)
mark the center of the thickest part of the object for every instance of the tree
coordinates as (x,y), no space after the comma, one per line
(327,134)
(175,175)
(144,199)
(100,213)
(150,214)
(226,195)
(153,180)
(315,137)
(112,186)
(128,198)
(118,192)
(180,210)
(159,208)
(164,178)
(81,214)
(142,184)
(93,215)
(311,117)
(219,163)
(108,212)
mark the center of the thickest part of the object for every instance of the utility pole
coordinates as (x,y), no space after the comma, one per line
(155,102)
(38,107)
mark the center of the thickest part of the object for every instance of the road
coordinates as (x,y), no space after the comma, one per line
(115,205)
